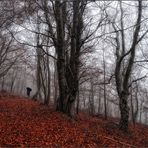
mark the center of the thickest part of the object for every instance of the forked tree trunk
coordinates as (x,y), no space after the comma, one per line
(122,80)
(68,70)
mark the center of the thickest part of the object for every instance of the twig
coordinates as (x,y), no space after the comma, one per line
(118,141)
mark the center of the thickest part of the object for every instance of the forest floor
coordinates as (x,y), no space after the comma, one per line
(25,123)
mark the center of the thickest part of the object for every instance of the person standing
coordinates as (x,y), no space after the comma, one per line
(28,91)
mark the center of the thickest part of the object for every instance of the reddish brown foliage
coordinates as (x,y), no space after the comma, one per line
(25,123)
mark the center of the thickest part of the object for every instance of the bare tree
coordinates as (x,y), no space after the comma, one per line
(122,75)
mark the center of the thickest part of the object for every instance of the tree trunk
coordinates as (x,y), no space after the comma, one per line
(91,99)
(68,69)
(140,115)
(137,104)
(3,82)
(99,101)
(124,111)
(60,57)
(105,99)
(55,83)
(84,98)
(132,109)
(78,103)
(122,75)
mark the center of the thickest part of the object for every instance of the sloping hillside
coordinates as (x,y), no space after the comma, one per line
(26,123)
